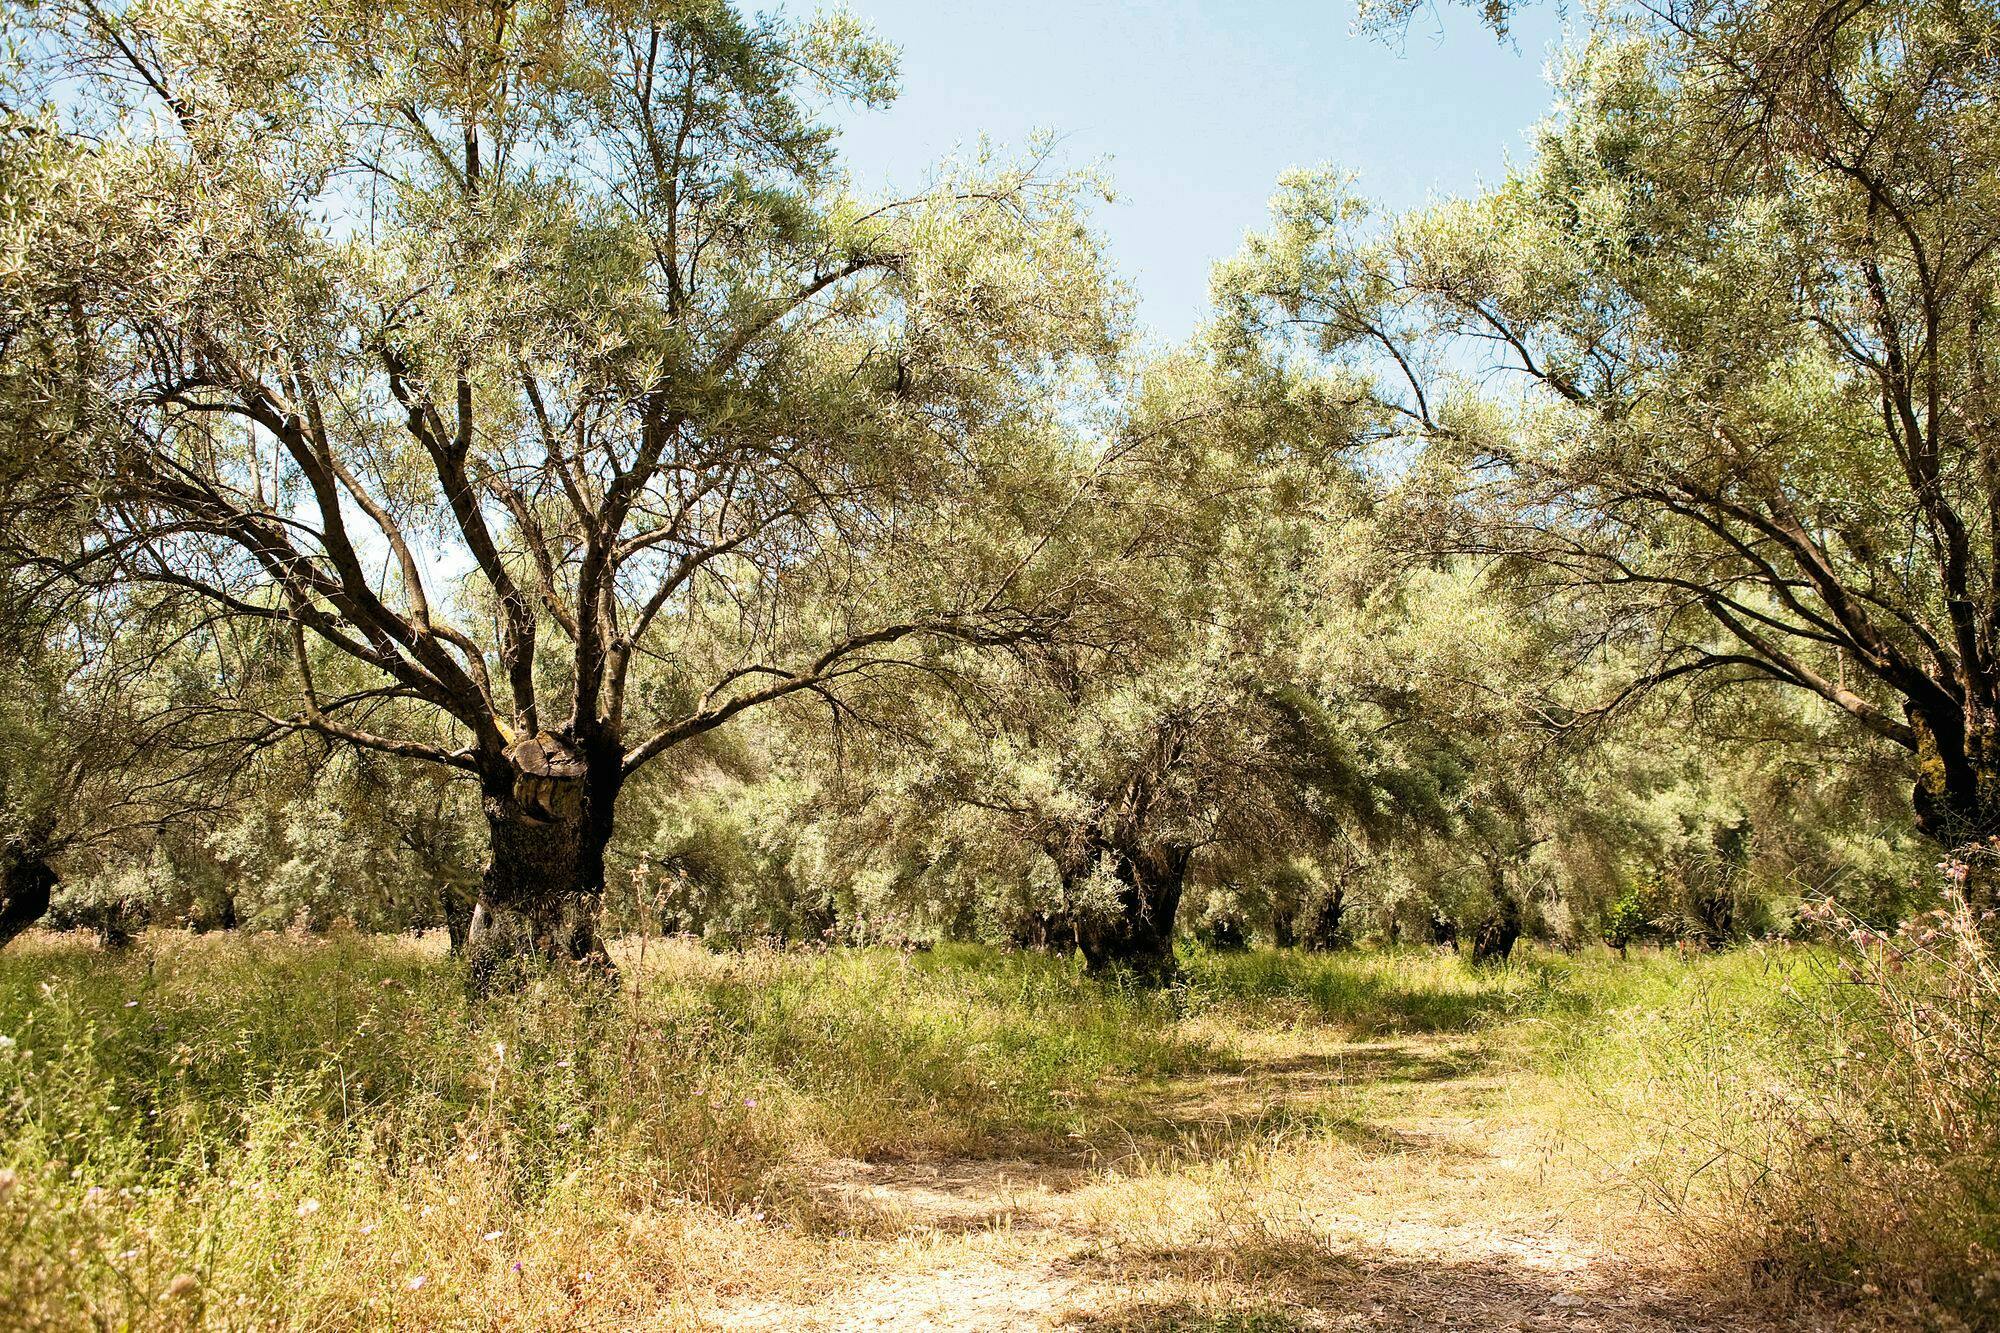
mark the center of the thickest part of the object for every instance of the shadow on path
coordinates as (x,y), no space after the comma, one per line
(1426,1212)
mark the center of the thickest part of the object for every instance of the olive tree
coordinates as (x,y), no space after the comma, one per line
(1718,359)
(523,388)
(1173,730)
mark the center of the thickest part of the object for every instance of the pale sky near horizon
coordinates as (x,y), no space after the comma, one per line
(1196,106)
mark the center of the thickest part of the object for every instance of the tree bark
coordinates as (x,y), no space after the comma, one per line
(544,880)
(1494,941)
(1957,793)
(26,885)
(1139,937)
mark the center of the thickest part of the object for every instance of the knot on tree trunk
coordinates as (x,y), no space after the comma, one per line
(549,778)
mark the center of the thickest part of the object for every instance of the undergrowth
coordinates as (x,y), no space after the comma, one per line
(271,1131)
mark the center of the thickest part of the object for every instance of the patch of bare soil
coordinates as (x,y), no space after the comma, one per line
(1393,1185)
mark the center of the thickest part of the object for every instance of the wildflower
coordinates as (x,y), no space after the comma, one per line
(493,1235)
(750,1101)
(517,1265)
(127,1256)
(417,1282)
(6,1045)
(368,1228)
(308,1207)
(131,1004)
(500,1049)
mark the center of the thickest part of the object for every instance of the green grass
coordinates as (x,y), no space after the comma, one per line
(268,1131)
(1386,991)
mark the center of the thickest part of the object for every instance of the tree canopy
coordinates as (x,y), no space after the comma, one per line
(431,406)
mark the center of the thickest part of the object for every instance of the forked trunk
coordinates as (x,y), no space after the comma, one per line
(549,816)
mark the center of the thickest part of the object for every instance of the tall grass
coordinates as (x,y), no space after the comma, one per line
(326,1133)
(1892,1178)
(1822,1120)
(1381,992)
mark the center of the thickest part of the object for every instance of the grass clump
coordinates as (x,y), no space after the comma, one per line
(233,1132)
(1821,1120)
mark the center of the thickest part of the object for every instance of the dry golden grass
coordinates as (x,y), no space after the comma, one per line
(326,1135)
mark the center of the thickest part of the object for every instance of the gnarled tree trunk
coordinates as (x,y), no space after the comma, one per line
(548,810)
(1139,936)
(26,884)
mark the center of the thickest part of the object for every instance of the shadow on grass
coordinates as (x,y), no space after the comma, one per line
(1211,1114)
(1276,1288)
(1385,992)
(1155,1124)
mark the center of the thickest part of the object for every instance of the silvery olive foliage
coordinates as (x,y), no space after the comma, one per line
(492,455)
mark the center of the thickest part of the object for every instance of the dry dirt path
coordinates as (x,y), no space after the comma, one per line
(1396,1185)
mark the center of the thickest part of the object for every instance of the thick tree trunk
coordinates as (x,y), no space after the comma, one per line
(1139,937)
(26,884)
(1493,942)
(1323,921)
(544,880)
(1957,792)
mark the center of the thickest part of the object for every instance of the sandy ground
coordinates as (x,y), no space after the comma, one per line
(1394,1185)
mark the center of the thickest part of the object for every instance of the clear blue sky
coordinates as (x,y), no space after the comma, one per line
(1197,105)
